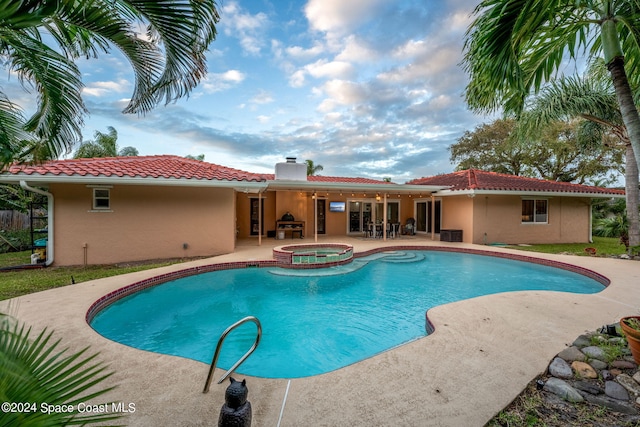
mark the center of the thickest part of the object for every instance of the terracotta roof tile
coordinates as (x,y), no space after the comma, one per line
(165,166)
(321,178)
(474,179)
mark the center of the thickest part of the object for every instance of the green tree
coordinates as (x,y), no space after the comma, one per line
(103,145)
(553,153)
(491,147)
(514,47)
(312,168)
(199,157)
(41,39)
(591,98)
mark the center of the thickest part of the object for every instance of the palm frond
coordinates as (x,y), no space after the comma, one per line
(37,371)
(56,79)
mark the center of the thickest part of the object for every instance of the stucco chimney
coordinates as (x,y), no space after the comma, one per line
(291,171)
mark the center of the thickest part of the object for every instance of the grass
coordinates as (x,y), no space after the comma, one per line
(21,282)
(605,246)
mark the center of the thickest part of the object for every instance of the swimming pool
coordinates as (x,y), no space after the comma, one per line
(316,321)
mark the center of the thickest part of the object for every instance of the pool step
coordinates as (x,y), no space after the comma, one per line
(319,272)
(387,256)
(404,258)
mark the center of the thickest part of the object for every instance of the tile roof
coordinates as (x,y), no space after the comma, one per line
(473,179)
(321,178)
(164,166)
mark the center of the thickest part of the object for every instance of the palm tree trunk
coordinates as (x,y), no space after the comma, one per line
(627,107)
(633,197)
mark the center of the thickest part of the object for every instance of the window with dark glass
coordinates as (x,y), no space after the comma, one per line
(535,211)
(101,198)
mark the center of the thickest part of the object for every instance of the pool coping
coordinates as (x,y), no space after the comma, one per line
(482,354)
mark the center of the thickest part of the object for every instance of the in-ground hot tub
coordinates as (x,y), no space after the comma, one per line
(324,255)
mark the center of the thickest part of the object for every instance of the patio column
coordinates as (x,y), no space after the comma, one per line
(433,217)
(384,218)
(259,218)
(315,217)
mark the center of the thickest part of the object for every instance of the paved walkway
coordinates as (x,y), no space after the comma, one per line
(482,354)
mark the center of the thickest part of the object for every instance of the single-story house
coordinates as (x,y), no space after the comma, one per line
(108,210)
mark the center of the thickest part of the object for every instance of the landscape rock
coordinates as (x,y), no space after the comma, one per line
(584,370)
(588,387)
(606,375)
(615,390)
(623,364)
(582,341)
(564,390)
(595,352)
(630,384)
(598,364)
(571,354)
(614,405)
(636,377)
(560,369)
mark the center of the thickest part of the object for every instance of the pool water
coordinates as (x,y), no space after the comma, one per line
(316,321)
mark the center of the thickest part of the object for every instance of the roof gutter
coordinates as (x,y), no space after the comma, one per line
(524,193)
(26,186)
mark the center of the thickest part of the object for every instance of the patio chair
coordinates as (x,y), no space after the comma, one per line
(410,226)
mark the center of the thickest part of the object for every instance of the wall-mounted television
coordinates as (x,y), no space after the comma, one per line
(337,206)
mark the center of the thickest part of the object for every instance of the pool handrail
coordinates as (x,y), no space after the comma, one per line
(226,332)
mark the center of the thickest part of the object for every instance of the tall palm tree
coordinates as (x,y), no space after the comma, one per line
(103,145)
(165,42)
(312,168)
(591,98)
(513,47)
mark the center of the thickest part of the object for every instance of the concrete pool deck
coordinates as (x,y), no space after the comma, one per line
(483,352)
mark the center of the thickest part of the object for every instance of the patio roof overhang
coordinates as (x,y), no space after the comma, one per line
(348,187)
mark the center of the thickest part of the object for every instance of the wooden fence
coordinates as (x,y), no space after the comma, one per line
(13,220)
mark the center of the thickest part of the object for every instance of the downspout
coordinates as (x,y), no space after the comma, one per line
(26,186)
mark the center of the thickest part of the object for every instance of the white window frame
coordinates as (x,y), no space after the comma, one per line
(535,203)
(95,197)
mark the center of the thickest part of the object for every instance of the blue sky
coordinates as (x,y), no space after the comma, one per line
(369,88)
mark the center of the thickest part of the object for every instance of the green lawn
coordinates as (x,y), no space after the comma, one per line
(604,246)
(21,282)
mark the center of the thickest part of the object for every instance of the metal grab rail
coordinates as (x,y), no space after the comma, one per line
(212,368)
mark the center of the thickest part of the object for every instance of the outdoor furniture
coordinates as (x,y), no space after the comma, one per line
(451,235)
(410,226)
(296,228)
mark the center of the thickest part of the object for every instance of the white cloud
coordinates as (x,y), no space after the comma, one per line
(262,98)
(216,82)
(248,29)
(298,52)
(334,69)
(356,50)
(340,16)
(104,88)
(342,92)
